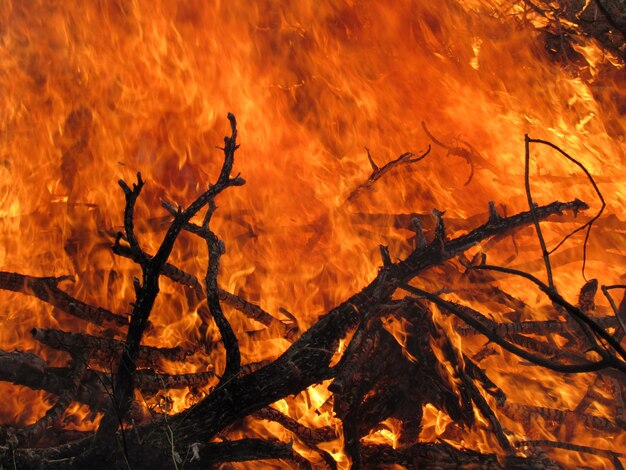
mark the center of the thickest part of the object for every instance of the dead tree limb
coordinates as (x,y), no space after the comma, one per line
(244,450)
(611,455)
(45,289)
(444,457)
(310,436)
(468,316)
(537,327)
(31,371)
(216,249)
(591,327)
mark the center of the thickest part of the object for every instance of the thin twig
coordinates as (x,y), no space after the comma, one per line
(531,205)
(45,289)
(467,155)
(377,173)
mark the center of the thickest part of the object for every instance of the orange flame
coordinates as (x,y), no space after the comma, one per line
(95,91)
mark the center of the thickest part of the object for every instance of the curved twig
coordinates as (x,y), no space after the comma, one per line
(588,224)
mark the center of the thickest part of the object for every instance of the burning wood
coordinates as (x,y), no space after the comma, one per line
(397,361)
(299,344)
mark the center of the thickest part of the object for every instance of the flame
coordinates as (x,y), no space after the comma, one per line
(95,91)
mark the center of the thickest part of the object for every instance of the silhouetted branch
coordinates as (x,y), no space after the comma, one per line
(45,289)
(148,289)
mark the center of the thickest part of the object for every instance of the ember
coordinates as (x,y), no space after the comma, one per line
(299,312)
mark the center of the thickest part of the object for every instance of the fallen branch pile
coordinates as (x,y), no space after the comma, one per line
(377,378)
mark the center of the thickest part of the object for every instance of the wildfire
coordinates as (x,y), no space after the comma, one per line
(97,91)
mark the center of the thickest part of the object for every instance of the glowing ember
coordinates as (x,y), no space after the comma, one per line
(97,91)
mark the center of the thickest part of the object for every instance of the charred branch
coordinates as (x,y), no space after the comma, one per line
(216,249)
(538,327)
(611,455)
(592,330)
(54,414)
(105,351)
(310,436)
(148,289)
(523,413)
(476,321)
(244,450)
(31,371)
(45,289)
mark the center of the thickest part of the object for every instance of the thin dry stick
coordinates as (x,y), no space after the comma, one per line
(46,289)
(524,412)
(467,155)
(377,172)
(310,436)
(54,414)
(104,350)
(531,206)
(216,249)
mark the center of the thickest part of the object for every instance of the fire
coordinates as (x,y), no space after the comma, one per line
(96,91)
